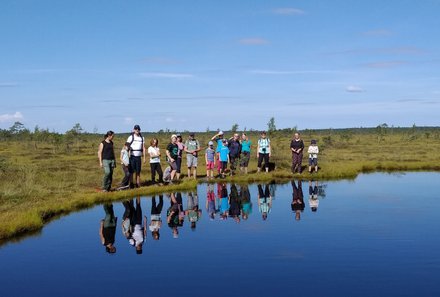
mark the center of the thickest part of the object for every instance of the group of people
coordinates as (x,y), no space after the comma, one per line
(235,152)
(233,202)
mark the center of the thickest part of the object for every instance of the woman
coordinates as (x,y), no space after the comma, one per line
(171,152)
(154,153)
(245,153)
(179,155)
(263,151)
(106,156)
(297,147)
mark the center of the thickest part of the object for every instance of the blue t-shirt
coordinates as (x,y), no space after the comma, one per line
(210,153)
(224,152)
(246,146)
(219,144)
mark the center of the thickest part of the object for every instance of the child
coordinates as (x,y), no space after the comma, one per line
(125,162)
(210,160)
(224,158)
(313,155)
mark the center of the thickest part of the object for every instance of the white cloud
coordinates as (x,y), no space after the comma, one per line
(8,84)
(11,117)
(354,89)
(166,75)
(288,11)
(253,41)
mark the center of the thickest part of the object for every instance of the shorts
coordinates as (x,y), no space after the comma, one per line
(191,160)
(135,164)
(223,165)
(313,161)
(210,165)
(173,165)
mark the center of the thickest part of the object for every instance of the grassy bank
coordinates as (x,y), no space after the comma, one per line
(43,179)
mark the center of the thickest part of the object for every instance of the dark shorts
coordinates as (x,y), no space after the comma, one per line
(173,165)
(313,161)
(223,165)
(135,164)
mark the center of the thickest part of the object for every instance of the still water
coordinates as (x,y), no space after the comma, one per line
(376,236)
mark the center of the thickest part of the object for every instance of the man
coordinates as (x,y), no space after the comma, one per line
(218,138)
(137,151)
(234,152)
(192,148)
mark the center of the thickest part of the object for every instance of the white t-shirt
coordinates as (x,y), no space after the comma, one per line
(136,145)
(313,151)
(154,151)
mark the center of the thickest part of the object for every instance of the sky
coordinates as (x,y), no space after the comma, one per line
(197,65)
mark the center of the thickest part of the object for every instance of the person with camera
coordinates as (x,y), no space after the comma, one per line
(263,151)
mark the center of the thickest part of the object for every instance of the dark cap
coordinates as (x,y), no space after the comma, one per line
(263,132)
(313,141)
(136,127)
(178,135)
(191,134)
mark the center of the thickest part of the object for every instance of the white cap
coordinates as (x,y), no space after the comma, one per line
(220,132)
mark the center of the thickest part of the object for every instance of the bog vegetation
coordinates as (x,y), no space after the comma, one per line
(44,173)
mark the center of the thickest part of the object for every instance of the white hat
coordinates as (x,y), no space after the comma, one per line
(220,132)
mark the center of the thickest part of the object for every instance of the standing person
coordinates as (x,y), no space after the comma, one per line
(107,229)
(181,147)
(125,164)
(138,150)
(234,146)
(106,156)
(193,212)
(210,160)
(139,227)
(297,147)
(154,152)
(245,153)
(218,138)
(313,196)
(224,157)
(171,152)
(192,149)
(263,151)
(313,152)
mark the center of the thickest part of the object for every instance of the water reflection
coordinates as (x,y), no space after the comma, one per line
(193,212)
(313,196)
(297,199)
(210,202)
(234,204)
(155,219)
(246,203)
(175,213)
(222,192)
(107,229)
(264,200)
(138,227)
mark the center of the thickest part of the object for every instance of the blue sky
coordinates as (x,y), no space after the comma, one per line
(190,65)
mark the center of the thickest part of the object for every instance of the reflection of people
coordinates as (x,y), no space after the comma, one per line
(234,204)
(175,214)
(138,225)
(263,151)
(223,201)
(106,156)
(297,147)
(155,219)
(313,196)
(193,212)
(297,199)
(246,204)
(126,218)
(107,229)
(210,202)
(264,201)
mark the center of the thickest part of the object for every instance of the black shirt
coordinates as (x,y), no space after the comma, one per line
(297,144)
(107,150)
(173,149)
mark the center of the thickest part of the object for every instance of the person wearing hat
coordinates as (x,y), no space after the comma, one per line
(218,138)
(313,152)
(137,151)
(297,147)
(263,151)
(192,148)
(210,160)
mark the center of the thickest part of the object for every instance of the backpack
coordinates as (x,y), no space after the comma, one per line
(132,140)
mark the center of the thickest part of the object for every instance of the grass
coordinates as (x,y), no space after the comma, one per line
(40,180)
